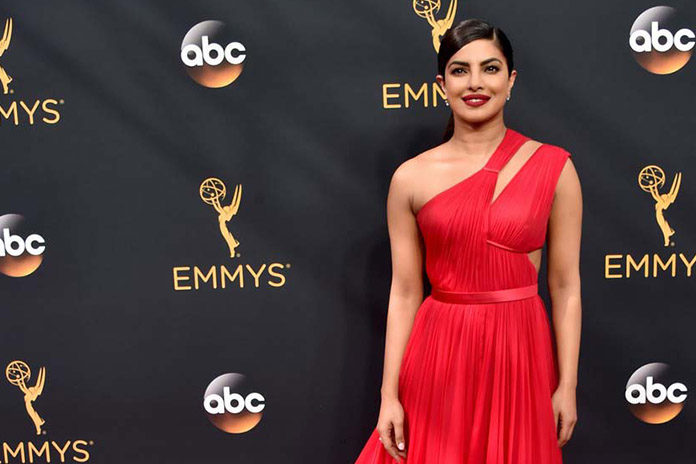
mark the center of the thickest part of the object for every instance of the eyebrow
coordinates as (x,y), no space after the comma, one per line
(484,62)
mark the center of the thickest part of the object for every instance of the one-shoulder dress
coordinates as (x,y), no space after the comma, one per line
(480,366)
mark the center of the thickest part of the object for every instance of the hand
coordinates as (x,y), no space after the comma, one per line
(565,411)
(390,427)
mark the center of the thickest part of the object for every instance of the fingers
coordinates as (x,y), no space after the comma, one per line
(567,426)
(566,435)
(399,437)
(570,433)
(385,436)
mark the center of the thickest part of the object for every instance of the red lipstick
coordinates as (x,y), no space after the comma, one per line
(476,99)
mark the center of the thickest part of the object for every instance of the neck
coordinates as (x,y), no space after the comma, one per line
(477,139)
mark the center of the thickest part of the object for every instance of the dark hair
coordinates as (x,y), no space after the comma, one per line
(461,34)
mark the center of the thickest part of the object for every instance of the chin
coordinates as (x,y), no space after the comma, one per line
(477,118)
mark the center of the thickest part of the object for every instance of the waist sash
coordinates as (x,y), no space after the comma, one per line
(493,296)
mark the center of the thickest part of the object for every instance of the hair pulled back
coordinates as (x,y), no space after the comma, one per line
(461,34)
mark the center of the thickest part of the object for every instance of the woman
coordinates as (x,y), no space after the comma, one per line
(471,374)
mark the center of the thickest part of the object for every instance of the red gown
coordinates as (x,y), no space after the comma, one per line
(479,368)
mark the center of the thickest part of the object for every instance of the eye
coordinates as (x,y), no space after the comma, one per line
(493,67)
(456,70)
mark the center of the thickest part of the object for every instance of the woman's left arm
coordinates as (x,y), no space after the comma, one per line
(564,231)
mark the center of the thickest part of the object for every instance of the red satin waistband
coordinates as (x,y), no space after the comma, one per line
(493,296)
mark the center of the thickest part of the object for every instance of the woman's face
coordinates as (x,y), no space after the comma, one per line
(477,69)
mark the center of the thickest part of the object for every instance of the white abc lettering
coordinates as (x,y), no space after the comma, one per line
(640,48)
(212,53)
(647,393)
(233,402)
(197,59)
(259,398)
(657,33)
(236,397)
(217,48)
(14,245)
(652,388)
(679,42)
(219,407)
(652,40)
(637,388)
(677,386)
(31,248)
(235,46)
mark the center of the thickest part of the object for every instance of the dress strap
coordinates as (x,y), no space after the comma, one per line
(512,141)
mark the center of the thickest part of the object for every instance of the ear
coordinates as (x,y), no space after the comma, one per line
(441,82)
(511,80)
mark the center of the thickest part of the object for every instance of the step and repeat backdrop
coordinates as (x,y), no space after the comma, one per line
(194,259)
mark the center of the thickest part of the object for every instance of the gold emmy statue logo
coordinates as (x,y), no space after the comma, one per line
(18,373)
(4,45)
(212,191)
(427,9)
(650,179)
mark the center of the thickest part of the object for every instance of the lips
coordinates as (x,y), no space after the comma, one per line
(476,99)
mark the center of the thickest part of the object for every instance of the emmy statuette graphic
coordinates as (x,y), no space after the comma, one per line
(650,179)
(4,45)
(18,373)
(427,9)
(212,191)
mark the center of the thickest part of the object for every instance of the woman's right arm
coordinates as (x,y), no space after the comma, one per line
(405,297)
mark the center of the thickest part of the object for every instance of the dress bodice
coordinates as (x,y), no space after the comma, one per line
(467,236)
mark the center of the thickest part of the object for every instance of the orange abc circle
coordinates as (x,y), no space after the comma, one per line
(21,248)
(232,404)
(654,395)
(211,56)
(660,42)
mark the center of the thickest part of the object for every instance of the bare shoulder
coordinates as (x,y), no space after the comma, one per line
(409,175)
(527,150)
(533,145)
(410,171)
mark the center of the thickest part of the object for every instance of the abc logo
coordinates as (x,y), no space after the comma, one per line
(232,405)
(655,47)
(211,58)
(21,251)
(653,395)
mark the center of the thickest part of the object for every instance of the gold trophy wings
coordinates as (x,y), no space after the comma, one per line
(427,9)
(5,79)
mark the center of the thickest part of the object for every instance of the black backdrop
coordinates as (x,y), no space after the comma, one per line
(113,188)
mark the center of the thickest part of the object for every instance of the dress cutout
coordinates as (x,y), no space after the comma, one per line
(479,368)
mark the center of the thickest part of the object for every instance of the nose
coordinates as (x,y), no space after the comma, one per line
(475,80)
